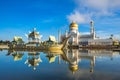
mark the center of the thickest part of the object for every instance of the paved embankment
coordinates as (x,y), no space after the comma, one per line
(4,47)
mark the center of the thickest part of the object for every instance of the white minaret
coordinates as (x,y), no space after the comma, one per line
(91,27)
(59,36)
(92,30)
(66,33)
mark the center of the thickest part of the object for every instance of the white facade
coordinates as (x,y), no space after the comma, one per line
(100,42)
(86,39)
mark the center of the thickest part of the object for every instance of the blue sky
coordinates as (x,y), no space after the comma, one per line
(18,17)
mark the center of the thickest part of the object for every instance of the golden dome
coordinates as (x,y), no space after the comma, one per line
(33,34)
(73,25)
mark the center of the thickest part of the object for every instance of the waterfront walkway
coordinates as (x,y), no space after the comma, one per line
(4,47)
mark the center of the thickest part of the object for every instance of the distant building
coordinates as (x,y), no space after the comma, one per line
(34,38)
(84,39)
(17,40)
(50,41)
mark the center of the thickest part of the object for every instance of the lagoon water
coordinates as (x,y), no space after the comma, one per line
(66,65)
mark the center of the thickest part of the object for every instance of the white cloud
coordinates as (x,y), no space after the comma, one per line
(87,9)
(78,17)
(99,7)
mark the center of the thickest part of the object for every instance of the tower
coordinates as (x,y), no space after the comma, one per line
(91,27)
(34,37)
(73,30)
(92,30)
(59,40)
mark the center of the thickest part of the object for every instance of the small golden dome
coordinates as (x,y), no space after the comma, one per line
(33,34)
(73,25)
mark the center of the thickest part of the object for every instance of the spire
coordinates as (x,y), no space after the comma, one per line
(66,33)
(92,30)
(59,36)
(34,29)
(91,27)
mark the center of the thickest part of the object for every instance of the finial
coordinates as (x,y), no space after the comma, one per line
(34,29)
(73,21)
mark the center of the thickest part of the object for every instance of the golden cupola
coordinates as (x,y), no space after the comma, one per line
(74,25)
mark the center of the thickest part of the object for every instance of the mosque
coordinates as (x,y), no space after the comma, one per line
(78,39)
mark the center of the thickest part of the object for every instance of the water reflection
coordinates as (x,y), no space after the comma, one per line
(70,64)
(71,57)
(33,59)
(74,57)
(17,55)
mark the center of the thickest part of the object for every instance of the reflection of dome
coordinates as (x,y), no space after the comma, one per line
(33,59)
(51,58)
(73,68)
(17,56)
(34,62)
(73,25)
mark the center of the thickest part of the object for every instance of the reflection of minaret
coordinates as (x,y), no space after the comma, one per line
(33,59)
(92,30)
(92,64)
(59,59)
